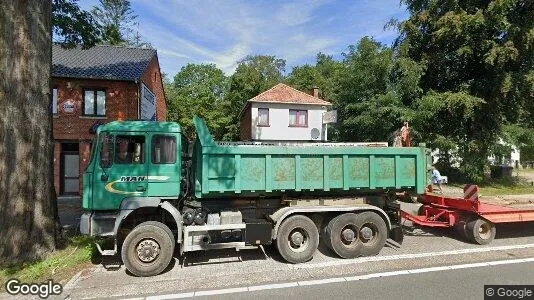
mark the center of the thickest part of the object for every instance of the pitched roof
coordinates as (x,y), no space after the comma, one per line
(282,93)
(101,62)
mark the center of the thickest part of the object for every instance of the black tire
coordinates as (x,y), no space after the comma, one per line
(480,231)
(461,229)
(366,221)
(159,243)
(341,235)
(290,230)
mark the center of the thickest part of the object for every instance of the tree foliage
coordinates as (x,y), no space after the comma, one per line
(73,26)
(118,20)
(198,90)
(478,58)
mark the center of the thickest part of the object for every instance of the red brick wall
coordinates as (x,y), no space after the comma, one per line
(121,103)
(152,79)
(246,124)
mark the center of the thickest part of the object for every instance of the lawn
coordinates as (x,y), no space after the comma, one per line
(516,185)
(59,266)
(497,189)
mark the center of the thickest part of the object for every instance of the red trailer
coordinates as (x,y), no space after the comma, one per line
(474,219)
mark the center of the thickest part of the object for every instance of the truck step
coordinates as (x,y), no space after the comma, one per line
(107,252)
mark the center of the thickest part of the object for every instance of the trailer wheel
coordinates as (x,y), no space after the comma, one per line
(297,239)
(148,249)
(341,235)
(373,232)
(461,229)
(480,231)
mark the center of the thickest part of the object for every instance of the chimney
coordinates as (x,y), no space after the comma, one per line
(316,91)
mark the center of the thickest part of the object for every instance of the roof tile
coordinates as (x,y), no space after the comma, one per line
(101,62)
(282,93)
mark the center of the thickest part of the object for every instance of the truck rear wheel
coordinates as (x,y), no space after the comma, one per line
(341,235)
(480,231)
(148,249)
(373,232)
(297,239)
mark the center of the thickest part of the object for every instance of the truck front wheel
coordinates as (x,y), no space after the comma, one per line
(148,249)
(297,239)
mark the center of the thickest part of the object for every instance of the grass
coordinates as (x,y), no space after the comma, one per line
(497,189)
(509,186)
(59,266)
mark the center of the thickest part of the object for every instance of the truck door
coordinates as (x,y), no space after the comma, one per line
(122,171)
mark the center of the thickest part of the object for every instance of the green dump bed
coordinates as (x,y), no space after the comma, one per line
(229,169)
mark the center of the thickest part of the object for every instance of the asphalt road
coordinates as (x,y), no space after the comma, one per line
(465,283)
(201,273)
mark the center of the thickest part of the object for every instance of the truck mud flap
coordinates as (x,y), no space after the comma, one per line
(396,237)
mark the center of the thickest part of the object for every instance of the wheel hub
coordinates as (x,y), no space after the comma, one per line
(484,231)
(297,238)
(148,250)
(366,232)
(348,235)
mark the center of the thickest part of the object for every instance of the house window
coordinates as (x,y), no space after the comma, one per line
(163,149)
(263,117)
(298,118)
(54,101)
(94,102)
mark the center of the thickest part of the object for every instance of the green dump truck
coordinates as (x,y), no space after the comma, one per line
(150,190)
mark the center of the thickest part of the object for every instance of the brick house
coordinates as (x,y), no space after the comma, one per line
(95,86)
(283,113)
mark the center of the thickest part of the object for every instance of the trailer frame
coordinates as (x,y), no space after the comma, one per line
(440,211)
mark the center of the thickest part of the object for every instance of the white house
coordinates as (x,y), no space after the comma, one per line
(283,113)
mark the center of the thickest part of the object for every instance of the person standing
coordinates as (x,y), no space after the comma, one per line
(436,178)
(406,135)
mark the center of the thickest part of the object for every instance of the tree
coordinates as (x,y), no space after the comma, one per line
(198,90)
(27,225)
(368,101)
(478,58)
(73,26)
(324,75)
(117,20)
(254,74)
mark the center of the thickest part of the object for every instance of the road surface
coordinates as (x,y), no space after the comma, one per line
(437,253)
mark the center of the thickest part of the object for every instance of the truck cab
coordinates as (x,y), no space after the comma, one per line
(131,162)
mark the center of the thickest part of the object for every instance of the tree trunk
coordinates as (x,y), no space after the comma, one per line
(27,204)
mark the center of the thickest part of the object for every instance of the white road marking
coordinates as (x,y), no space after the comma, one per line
(340,279)
(221,291)
(171,296)
(409,256)
(272,286)
(320,281)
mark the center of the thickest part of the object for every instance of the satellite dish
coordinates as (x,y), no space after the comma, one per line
(315,133)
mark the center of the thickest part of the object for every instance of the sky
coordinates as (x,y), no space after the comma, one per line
(223,32)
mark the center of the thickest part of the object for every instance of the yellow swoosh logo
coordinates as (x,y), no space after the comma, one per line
(111,189)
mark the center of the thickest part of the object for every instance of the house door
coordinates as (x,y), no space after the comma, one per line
(70,169)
